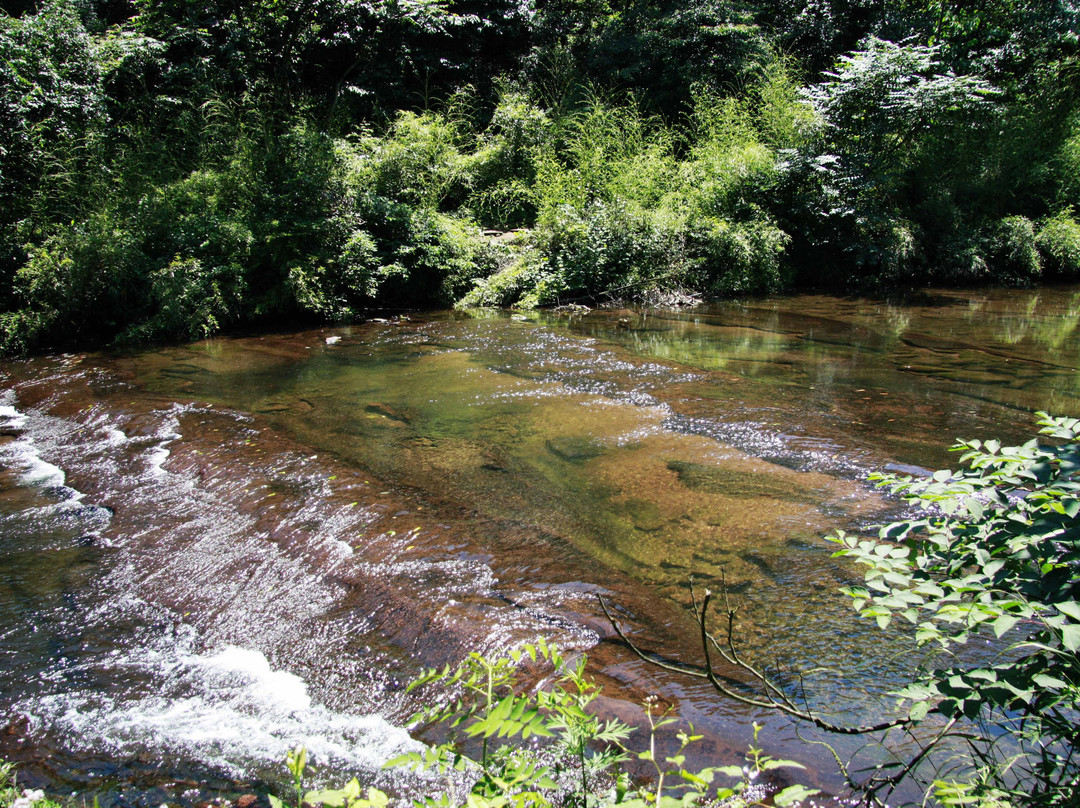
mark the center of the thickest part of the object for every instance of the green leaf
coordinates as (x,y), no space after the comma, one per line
(1003,624)
(1047,681)
(1070,637)
(692,778)
(793,794)
(1069,607)
(919,710)
(781,764)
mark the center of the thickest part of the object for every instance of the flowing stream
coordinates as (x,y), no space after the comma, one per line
(213,552)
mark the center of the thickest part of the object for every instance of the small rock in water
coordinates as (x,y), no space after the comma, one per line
(333,340)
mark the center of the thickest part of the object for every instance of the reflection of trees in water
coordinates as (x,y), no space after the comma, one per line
(1042,319)
(749,340)
(716,348)
(894,321)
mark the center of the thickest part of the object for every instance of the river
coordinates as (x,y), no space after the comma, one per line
(212,552)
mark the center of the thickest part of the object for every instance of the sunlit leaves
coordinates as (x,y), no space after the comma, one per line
(997,552)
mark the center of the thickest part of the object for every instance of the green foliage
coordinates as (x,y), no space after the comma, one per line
(738,258)
(1059,244)
(417,162)
(784,117)
(656,50)
(583,765)
(489,707)
(1012,255)
(628,204)
(697,787)
(518,282)
(895,123)
(52,113)
(606,247)
(997,552)
(182,167)
(270,231)
(503,168)
(11,796)
(350,796)
(8,792)
(1068,162)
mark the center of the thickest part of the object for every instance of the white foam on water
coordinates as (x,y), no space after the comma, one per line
(22,455)
(39,472)
(167,433)
(114,436)
(156,458)
(229,709)
(279,690)
(15,419)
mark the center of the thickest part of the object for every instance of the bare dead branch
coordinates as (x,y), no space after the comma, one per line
(774,698)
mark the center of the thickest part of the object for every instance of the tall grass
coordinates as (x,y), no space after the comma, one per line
(627,203)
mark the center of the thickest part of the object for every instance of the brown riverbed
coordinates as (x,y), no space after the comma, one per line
(266,537)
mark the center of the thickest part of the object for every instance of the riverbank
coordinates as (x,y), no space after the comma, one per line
(178,172)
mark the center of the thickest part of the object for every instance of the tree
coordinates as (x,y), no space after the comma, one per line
(51,112)
(895,149)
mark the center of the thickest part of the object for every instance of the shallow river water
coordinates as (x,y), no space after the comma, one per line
(213,552)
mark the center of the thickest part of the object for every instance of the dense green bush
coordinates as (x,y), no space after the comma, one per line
(186,167)
(269,232)
(628,204)
(503,191)
(1012,254)
(1059,244)
(996,550)
(737,258)
(52,113)
(606,248)
(892,158)
(1068,162)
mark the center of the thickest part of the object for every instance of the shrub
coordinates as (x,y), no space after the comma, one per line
(885,248)
(51,108)
(783,116)
(503,168)
(738,258)
(621,215)
(1068,162)
(583,763)
(416,162)
(268,231)
(331,289)
(1012,254)
(83,283)
(997,551)
(515,283)
(960,256)
(189,300)
(1059,244)
(607,249)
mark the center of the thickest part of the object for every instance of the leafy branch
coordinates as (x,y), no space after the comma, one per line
(996,548)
